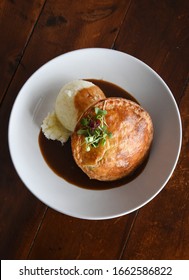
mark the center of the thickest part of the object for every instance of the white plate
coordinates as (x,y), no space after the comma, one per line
(36,99)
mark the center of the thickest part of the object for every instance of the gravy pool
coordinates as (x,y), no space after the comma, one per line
(59,157)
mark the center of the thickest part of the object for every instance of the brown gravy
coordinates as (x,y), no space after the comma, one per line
(59,158)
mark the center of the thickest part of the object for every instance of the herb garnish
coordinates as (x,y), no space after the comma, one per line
(94,128)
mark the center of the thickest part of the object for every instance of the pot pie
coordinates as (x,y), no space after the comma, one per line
(112,138)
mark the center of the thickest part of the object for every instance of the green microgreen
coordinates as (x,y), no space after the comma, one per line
(94,129)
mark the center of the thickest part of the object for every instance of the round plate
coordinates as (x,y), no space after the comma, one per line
(36,99)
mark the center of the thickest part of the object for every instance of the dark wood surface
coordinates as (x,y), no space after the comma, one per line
(33,32)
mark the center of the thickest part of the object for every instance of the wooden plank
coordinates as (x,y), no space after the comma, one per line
(21,213)
(70,25)
(157,33)
(161,230)
(17,20)
(71,238)
(61,28)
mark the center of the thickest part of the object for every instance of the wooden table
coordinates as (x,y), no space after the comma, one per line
(32,33)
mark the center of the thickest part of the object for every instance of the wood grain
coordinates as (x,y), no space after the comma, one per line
(34,32)
(17,22)
(71,238)
(161,222)
(161,229)
(157,33)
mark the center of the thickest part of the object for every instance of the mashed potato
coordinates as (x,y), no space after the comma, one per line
(53,129)
(73,99)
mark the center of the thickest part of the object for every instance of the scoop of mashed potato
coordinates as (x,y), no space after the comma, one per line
(53,129)
(73,99)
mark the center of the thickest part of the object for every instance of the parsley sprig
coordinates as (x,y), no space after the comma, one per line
(94,129)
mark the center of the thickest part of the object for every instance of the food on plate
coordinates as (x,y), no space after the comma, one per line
(112,138)
(73,99)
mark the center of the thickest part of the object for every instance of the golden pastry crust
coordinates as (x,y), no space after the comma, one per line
(87,97)
(132,131)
